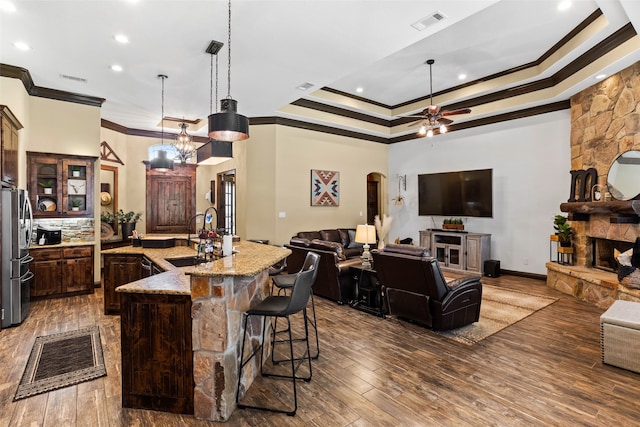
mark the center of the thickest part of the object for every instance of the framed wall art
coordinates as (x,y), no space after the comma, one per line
(325,188)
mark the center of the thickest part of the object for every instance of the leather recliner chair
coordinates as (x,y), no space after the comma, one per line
(415,289)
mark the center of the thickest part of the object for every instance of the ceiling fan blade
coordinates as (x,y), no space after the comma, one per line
(415,123)
(444,121)
(454,112)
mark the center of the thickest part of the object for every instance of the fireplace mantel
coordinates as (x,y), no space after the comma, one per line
(620,207)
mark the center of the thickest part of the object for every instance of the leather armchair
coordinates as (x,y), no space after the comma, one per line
(333,281)
(415,289)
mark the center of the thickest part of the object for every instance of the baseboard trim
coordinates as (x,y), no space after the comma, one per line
(524,274)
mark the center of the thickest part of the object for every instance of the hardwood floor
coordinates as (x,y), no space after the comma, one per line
(544,370)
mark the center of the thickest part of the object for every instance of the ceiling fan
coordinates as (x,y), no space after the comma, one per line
(433,117)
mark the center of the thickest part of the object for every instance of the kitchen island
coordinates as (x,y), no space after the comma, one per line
(181,329)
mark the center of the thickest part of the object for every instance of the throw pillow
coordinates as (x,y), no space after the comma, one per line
(352,240)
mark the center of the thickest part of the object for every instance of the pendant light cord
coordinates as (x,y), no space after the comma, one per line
(211,87)
(162,76)
(229,55)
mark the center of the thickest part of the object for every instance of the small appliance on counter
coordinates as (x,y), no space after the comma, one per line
(48,235)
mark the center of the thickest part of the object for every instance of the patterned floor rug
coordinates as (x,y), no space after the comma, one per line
(500,308)
(61,360)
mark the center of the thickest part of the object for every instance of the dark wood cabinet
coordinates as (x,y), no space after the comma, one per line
(77,269)
(62,271)
(60,185)
(171,199)
(47,280)
(157,355)
(118,270)
(9,127)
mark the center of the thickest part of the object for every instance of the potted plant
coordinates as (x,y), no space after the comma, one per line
(75,204)
(563,230)
(47,186)
(75,171)
(453,224)
(127,221)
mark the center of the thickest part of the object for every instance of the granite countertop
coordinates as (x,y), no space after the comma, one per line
(250,259)
(63,245)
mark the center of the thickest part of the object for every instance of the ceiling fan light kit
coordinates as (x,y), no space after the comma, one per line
(432,117)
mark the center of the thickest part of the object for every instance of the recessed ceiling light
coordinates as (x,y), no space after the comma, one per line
(121,38)
(21,46)
(601,76)
(359,89)
(7,6)
(564,5)
(116,67)
(462,76)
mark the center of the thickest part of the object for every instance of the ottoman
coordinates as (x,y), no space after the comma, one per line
(620,335)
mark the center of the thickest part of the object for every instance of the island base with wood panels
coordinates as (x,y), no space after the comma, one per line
(181,329)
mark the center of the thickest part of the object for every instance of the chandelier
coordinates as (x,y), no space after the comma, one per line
(184,144)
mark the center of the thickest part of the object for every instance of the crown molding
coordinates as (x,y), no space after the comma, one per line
(24,76)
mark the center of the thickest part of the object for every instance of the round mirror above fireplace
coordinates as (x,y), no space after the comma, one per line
(623,179)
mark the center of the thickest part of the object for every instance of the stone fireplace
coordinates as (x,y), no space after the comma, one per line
(605,122)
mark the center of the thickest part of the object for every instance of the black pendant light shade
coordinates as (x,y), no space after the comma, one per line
(228,125)
(214,152)
(161,162)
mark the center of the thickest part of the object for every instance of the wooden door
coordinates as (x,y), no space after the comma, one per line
(372,201)
(171,199)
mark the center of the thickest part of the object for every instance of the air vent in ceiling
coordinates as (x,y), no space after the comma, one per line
(304,86)
(74,78)
(434,18)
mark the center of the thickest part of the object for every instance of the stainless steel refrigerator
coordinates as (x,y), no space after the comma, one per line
(17,227)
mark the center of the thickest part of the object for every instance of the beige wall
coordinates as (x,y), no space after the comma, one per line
(297,151)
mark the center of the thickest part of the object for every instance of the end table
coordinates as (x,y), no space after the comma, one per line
(368,291)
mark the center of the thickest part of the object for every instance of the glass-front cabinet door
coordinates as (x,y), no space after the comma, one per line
(60,185)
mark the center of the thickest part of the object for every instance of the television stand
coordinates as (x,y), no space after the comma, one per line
(458,250)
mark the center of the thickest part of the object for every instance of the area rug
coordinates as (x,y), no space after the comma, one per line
(61,360)
(500,308)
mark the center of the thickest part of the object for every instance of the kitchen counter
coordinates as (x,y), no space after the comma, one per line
(249,260)
(194,315)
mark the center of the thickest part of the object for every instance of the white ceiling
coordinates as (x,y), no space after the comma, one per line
(278,45)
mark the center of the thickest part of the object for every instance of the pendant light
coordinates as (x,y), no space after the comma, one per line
(228,125)
(214,151)
(162,162)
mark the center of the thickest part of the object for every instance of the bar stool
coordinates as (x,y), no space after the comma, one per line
(285,282)
(282,306)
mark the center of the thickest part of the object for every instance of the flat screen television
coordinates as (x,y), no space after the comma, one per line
(456,194)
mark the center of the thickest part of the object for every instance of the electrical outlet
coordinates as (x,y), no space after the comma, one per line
(525,261)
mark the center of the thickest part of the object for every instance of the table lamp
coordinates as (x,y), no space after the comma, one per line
(365,234)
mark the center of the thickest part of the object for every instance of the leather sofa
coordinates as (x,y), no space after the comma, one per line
(338,253)
(415,289)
